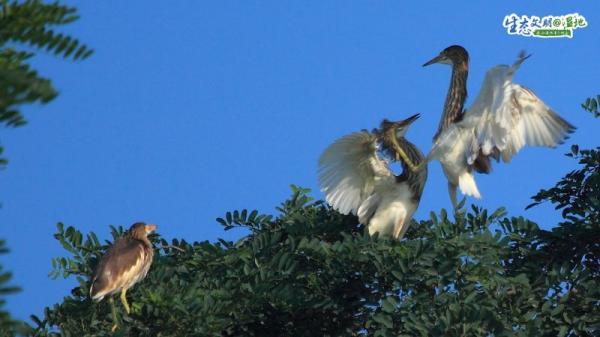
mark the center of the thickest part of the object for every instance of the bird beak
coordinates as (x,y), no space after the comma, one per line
(150,228)
(411,119)
(438,59)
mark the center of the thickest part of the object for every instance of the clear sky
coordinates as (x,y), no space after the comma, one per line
(188,109)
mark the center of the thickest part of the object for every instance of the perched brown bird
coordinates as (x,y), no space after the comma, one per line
(124,264)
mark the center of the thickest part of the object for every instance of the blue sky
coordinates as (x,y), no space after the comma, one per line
(189,109)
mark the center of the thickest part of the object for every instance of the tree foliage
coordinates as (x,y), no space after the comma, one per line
(8,326)
(310,271)
(592,104)
(26,28)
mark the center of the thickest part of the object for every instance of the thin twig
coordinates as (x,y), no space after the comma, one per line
(172,247)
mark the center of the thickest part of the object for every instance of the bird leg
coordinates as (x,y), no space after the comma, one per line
(452,192)
(124,300)
(399,229)
(400,154)
(114,315)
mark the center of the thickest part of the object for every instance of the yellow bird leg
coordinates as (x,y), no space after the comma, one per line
(400,152)
(114,315)
(124,300)
(452,192)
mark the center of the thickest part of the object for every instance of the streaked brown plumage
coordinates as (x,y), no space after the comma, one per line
(457,93)
(393,145)
(455,99)
(124,264)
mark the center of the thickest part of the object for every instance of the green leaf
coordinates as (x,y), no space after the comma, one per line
(384,320)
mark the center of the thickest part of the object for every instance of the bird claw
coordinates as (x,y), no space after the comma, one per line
(418,167)
(401,155)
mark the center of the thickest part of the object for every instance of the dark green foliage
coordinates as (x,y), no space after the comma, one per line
(573,248)
(313,272)
(577,239)
(27,27)
(592,104)
(8,326)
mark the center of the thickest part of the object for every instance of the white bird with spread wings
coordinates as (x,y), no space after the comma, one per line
(356,179)
(504,117)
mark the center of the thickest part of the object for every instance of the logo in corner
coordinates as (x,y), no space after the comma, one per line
(546,27)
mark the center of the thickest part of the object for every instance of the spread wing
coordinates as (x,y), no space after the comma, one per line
(350,169)
(507,116)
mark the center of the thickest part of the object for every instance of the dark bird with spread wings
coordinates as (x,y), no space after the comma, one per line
(124,264)
(356,179)
(504,117)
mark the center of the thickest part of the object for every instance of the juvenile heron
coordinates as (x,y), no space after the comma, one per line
(124,264)
(504,117)
(356,179)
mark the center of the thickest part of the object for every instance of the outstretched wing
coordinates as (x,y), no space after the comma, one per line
(507,116)
(349,170)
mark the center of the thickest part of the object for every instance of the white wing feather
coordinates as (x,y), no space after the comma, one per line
(350,169)
(507,116)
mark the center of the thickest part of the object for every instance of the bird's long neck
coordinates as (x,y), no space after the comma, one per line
(413,153)
(455,100)
(416,180)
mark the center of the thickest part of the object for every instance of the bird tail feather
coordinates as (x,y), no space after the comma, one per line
(467,185)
